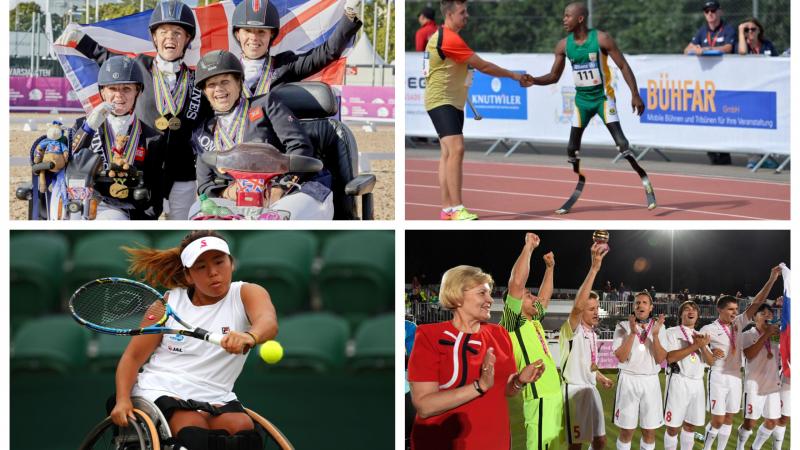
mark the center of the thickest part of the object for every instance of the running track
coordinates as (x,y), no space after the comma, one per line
(502,191)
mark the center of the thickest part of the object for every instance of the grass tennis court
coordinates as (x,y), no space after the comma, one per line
(518,430)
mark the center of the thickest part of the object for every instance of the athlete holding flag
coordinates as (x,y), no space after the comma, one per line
(724,376)
(588,51)
(256,24)
(169,102)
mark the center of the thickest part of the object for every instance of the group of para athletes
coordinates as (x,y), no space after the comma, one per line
(568,411)
(157,114)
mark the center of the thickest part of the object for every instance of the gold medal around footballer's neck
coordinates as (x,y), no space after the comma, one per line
(594,367)
(174,123)
(162,123)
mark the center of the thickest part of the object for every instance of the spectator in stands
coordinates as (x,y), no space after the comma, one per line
(461,402)
(427,26)
(751,39)
(715,34)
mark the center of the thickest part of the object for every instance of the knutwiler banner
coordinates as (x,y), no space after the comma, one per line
(724,103)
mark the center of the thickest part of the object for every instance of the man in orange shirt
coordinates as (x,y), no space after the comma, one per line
(427,26)
(446,62)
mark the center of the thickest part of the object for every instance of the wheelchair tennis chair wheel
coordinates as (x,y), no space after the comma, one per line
(151,429)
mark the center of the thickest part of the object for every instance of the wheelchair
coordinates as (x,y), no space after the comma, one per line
(150,431)
(314,104)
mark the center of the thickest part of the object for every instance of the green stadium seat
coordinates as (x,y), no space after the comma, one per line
(36,273)
(280,261)
(314,341)
(109,349)
(50,343)
(357,275)
(98,255)
(375,343)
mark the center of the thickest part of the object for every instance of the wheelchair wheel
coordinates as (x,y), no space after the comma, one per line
(273,432)
(141,434)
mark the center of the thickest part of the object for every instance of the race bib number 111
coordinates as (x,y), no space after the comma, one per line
(586,74)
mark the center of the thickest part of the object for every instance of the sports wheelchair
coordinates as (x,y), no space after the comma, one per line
(150,431)
(314,105)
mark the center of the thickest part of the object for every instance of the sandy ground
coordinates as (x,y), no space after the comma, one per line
(381,140)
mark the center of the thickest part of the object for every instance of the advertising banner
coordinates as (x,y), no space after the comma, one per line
(42,94)
(691,103)
(373,103)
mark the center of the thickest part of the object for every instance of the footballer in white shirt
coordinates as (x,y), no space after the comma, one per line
(762,381)
(687,356)
(584,419)
(724,376)
(637,346)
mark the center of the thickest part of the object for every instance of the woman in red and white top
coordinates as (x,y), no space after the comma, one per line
(461,370)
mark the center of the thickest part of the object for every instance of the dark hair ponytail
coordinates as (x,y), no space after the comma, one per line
(164,267)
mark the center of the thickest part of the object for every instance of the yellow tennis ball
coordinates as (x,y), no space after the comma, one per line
(271,352)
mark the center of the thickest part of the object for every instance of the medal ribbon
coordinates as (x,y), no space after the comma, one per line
(544,344)
(264,79)
(767,345)
(643,336)
(729,333)
(166,101)
(225,140)
(691,341)
(133,141)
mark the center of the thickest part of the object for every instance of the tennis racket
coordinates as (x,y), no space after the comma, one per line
(128,308)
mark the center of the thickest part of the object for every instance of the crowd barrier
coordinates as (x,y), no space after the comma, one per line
(733,103)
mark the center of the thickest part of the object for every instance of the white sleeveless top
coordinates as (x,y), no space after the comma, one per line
(189,368)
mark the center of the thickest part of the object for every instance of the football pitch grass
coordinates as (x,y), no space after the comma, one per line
(518,429)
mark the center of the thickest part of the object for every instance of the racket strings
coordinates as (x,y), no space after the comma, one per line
(120,306)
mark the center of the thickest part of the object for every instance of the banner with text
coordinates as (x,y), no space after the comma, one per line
(691,103)
(42,94)
(373,103)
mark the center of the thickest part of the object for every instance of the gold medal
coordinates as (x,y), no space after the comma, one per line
(118,190)
(641,347)
(174,123)
(594,367)
(693,358)
(769,355)
(162,123)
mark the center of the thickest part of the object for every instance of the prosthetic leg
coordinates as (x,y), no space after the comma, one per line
(573,148)
(622,145)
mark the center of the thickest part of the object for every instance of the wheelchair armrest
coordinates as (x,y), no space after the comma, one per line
(24,191)
(360,185)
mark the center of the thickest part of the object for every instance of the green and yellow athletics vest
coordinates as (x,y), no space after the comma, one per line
(589,71)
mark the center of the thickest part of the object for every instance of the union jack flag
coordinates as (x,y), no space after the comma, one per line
(305,24)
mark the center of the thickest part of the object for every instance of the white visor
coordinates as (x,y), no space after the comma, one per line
(199,246)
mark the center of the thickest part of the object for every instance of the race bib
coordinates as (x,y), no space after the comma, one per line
(586,74)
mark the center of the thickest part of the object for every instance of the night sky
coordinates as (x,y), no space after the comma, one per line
(704,261)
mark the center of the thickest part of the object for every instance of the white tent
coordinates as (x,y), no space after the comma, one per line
(362,53)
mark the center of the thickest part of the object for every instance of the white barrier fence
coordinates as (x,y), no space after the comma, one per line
(734,103)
